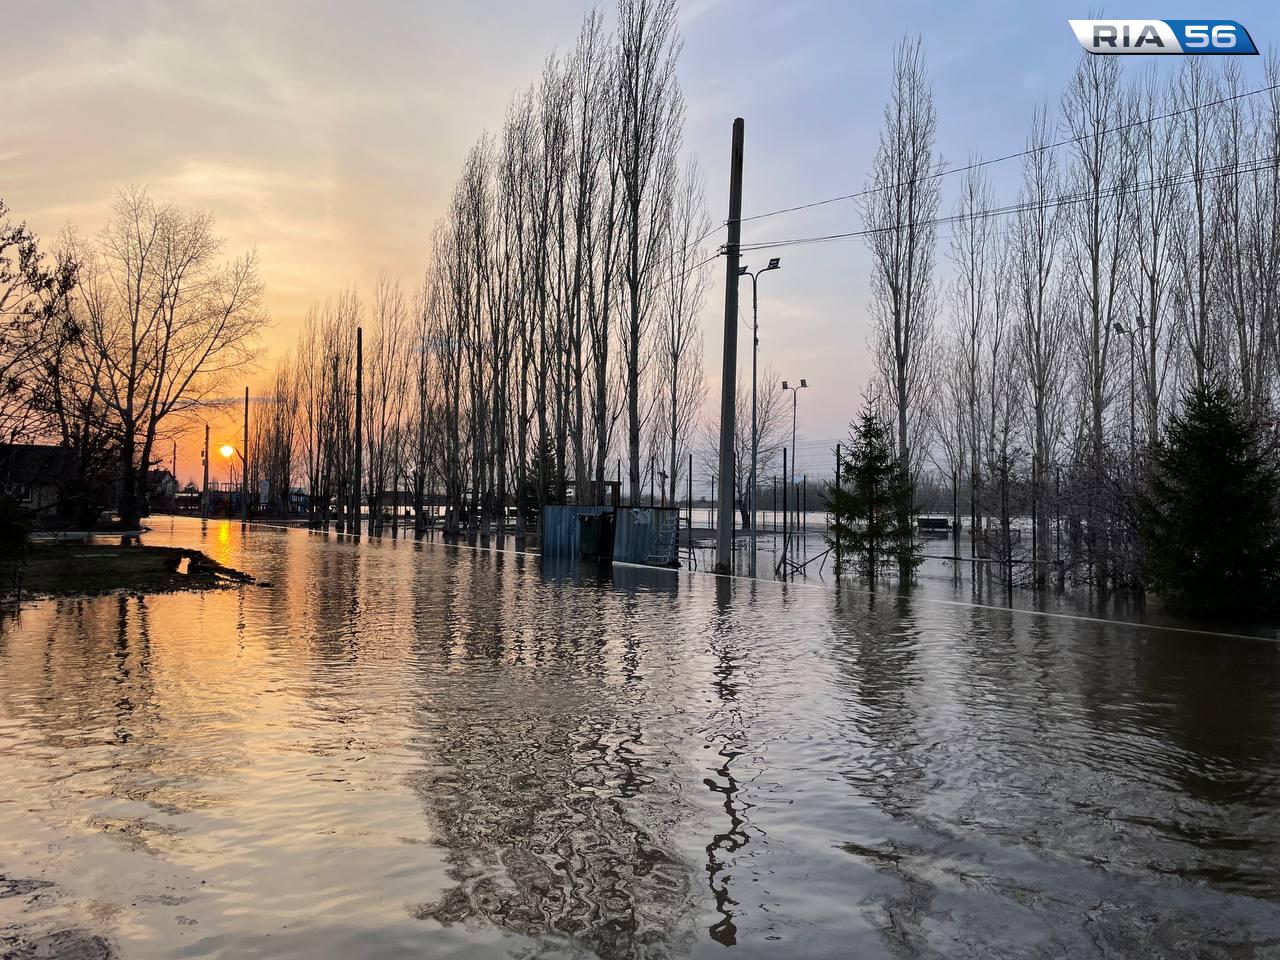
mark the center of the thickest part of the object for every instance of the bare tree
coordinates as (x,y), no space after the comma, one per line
(166,324)
(971,254)
(1198,228)
(1038,343)
(1246,268)
(386,387)
(326,385)
(679,381)
(650,115)
(1100,243)
(899,208)
(274,442)
(1157,207)
(772,423)
(33,296)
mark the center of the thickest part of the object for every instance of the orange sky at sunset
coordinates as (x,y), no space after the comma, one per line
(329,137)
(327,141)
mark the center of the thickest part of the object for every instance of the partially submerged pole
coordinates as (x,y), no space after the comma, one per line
(355,495)
(786,540)
(836,538)
(689,481)
(204,490)
(244,464)
(729,368)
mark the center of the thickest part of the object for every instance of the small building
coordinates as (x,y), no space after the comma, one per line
(162,490)
(34,475)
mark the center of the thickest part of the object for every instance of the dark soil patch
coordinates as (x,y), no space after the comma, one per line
(79,569)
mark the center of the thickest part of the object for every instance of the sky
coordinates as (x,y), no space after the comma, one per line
(328,135)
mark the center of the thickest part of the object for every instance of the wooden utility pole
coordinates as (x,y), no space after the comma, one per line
(356,495)
(729,368)
(244,464)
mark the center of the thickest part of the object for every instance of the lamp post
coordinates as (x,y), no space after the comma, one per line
(774,264)
(795,399)
(1128,332)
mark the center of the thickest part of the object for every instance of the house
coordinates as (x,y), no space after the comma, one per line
(162,490)
(35,475)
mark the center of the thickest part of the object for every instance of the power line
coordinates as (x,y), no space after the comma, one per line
(701,263)
(1013,156)
(1214,173)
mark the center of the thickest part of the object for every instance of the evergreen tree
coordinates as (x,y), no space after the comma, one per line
(1210,524)
(869,501)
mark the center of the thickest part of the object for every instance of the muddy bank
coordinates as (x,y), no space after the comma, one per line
(62,569)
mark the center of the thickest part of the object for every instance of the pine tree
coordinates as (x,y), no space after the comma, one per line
(1210,523)
(868,503)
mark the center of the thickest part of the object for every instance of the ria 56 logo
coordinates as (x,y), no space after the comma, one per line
(1164,36)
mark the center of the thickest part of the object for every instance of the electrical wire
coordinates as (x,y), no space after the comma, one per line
(1014,156)
(1254,165)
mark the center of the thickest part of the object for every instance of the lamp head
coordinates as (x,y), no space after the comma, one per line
(742,270)
(804,382)
(784,385)
(774,263)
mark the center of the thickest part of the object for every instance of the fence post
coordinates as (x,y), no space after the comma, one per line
(786,543)
(837,498)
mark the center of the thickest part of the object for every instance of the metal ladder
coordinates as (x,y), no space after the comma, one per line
(663,551)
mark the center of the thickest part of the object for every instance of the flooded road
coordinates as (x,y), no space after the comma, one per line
(404,749)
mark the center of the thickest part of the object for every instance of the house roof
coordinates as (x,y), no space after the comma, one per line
(34,464)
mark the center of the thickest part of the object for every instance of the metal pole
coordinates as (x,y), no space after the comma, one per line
(1057,518)
(795,400)
(355,525)
(1035,521)
(1132,393)
(204,490)
(785,538)
(955,518)
(729,367)
(244,464)
(837,489)
(755,427)
(801,524)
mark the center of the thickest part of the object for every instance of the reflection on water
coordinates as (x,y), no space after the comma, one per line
(410,749)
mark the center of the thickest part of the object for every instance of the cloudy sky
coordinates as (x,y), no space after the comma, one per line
(328,135)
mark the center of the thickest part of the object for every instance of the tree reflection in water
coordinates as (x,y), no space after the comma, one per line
(555,810)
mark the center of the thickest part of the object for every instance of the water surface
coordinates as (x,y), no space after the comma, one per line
(403,749)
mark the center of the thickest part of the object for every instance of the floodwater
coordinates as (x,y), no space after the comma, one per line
(404,749)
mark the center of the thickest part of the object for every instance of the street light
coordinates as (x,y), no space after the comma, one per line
(1128,332)
(774,264)
(795,399)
